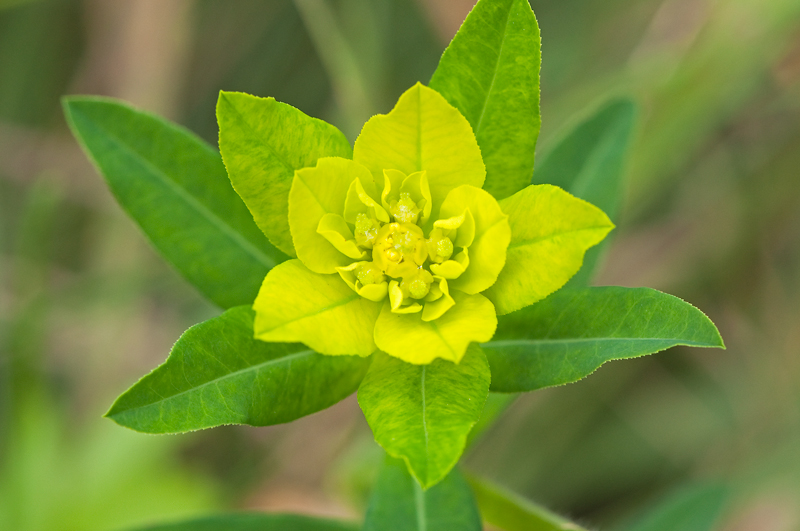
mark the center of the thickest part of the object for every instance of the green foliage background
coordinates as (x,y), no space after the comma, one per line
(712,215)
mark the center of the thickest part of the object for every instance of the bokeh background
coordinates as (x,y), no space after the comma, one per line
(712,214)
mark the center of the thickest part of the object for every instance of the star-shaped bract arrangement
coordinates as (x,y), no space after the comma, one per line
(400,252)
(396,246)
(420,267)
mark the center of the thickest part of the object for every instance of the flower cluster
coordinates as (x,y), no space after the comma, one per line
(405,228)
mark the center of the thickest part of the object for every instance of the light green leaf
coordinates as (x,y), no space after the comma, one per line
(588,162)
(487,251)
(410,338)
(422,133)
(510,512)
(174,186)
(217,373)
(550,232)
(695,508)
(399,504)
(255,522)
(571,333)
(490,72)
(322,311)
(423,413)
(316,192)
(263,142)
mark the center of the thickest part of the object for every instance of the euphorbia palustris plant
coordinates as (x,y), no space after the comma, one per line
(420,266)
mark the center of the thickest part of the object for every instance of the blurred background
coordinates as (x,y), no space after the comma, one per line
(712,215)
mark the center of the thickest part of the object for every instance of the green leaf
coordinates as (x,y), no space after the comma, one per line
(316,192)
(422,133)
(263,142)
(588,162)
(571,333)
(510,512)
(423,413)
(490,72)
(255,522)
(399,504)
(322,311)
(408,337)
(550,232)
(218,374)
(175,187)
(695,508)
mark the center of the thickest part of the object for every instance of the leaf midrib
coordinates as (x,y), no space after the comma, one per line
(494,72)
(533,241)
(182,193)
(421,508)
(232,374)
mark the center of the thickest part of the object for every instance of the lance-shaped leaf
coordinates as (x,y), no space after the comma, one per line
(398,503)
(571,333)
(588,162)
(490,72)
(218,374)
(550,232)
(423,413)
(263,142)
(175,187)
(511,512)
(255,522)
(322,311)
(694,508)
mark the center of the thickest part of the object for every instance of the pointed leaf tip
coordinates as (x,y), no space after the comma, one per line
(490,72)
(423,413)
(175,187)
(570,334)
(217,373)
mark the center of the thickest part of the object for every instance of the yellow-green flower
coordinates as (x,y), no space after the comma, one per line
(398,247)
(401,237)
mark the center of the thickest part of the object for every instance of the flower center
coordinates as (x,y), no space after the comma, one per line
(399,249)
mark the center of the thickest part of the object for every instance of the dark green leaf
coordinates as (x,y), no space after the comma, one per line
(588,162)
(255,522)
(695,508)
(490,72)
(175,187)
(263,142)
(398,503)
(571,333)
(218,374)
(511,512)
(423,413)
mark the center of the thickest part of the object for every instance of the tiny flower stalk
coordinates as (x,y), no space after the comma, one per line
(396,246)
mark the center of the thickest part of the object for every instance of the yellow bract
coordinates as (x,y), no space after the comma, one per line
(406,230)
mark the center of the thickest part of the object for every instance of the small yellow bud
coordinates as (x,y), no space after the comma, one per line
(366,231)
(405,210)
(440,247)
(417,285)
(367,273)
